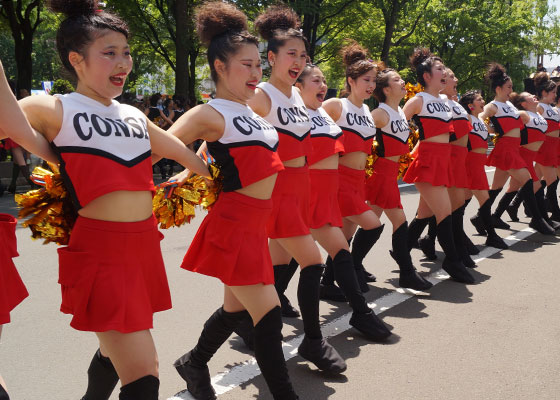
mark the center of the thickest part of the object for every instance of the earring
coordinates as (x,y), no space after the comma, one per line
(271,63)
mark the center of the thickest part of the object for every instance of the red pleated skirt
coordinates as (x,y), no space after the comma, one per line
(324,208)
(231,244)
(112,275)
(548,153)
(505,154)
(476,172)
(351,192)
(290,204)
(12,289)
(529,157)
(457,167)
(431,164)
(382,188)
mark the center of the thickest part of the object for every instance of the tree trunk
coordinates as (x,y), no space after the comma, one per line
(182,72)
(390,21)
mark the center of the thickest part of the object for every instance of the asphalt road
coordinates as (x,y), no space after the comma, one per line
(498,339)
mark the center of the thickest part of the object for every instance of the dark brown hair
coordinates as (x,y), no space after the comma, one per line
(381,82)
(306,71)
(516,99)
(468,98)
(422,60)
(222,28)
(357,62)
(83,24)
(543,84)
(496,75)
(277,25)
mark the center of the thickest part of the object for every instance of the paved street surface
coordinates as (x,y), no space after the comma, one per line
(498,339)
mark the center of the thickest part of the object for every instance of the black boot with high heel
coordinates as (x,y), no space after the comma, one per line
(452,264)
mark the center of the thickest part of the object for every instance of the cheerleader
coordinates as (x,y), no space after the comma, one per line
(326,220)
(354,117)
(547,160)
(473,102)
(231,243)
(279,102)
(430,169)
(506,156)
(532,139)
(382,191)
(14,124)
(111,273)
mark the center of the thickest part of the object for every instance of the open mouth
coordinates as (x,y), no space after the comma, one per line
(321,96)
(369,92)
(118,80)
(293,73)
(251,85)
(443,80)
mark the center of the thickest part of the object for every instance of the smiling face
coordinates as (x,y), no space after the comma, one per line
(530,101)
(477,105)
(362,87)
(238,79)
(102,71)
(396,87)
(288,63)
(313,88)
(505,90)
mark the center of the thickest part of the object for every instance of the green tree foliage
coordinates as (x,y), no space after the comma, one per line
(61,86)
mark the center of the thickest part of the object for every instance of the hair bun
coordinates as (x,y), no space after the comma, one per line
(276,17)
(541,79)
(352,53)
(216,18)
(496,73)
(420,55)
(73,8)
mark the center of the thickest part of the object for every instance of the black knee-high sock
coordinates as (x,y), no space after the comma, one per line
(308,298)
(537,221)
(3,394)
(459,234)
(503,204)
(328,274)
(445,237)
(401,252)
(415,230)
(145,388)
(364,240)
(102,378)
(345,275)
(283,273)
(552,200)
(432,228)
(493,193)
(486,216)
(270,357)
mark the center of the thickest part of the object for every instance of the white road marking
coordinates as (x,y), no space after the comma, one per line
(236,376)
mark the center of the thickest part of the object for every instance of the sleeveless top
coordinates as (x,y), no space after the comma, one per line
(506,118)
(246,152)
(435,118)
(478,136)
(358,127)
(290,118)
(461,124)
(552,117)
(102,148)
(326,136)
(392,139)
(535,129)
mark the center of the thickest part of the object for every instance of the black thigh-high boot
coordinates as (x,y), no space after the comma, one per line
(314,347)
(328,289)
(102,378)
(492,239)
(428,243)
(145,388)
(363,318)
(502,206)
(282,275)
(415,229)
(471,248)
(552,200)
(270,356)
(537,221)
(408,277)
(245,330)
(541,204)
(193,366)
(458,235)
(364,240)
(13,183)
(513,207)
(3,394)
(477,220)
(452,264)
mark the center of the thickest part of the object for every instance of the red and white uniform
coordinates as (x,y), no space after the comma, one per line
(431,164)
(533,132)
(475,162)
(359,131)
(392,140)
(232,243)
(505,154)
(290,214)
(111,273)
(461,128)
(548,153)
(12,289)
(327,140)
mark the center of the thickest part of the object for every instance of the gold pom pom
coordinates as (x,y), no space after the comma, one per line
(412,90)
(51,210)
(175,205)
(370,160)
